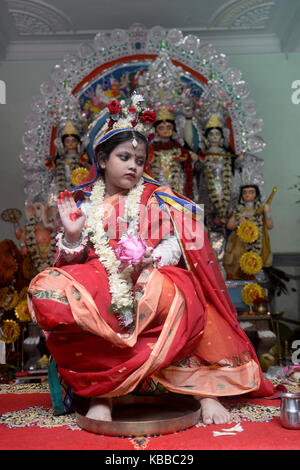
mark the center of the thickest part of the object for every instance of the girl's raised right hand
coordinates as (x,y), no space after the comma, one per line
(72,218)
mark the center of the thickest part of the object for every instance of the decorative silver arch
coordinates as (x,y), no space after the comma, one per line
(79,88)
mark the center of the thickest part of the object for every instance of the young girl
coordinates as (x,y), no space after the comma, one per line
(135,294)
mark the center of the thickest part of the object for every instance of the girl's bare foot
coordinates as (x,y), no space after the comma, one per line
(100,409)
(213,412)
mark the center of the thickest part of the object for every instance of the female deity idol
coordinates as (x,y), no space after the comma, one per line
(70,167)
(249,209)
(214,172)
(135,291)
(170,162)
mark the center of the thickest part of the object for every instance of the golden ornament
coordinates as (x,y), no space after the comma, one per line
(250,262)
(23,294)
(78,176)
(22,311)
(11,331)
(13,302)
(251,292)
(248,232)
(5,296)
(11,215)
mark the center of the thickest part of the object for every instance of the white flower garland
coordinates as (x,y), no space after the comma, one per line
(120,282)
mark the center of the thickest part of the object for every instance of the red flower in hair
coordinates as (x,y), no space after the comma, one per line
(148,117)
(114,107)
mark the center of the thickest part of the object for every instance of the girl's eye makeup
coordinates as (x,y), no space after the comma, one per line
(139,161)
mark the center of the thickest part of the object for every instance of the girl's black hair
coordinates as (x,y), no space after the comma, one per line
(254,186)
(104,149)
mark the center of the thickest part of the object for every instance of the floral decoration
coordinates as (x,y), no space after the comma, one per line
(251,262)
(78,176)
(248,231)
(133,116)
(251,292)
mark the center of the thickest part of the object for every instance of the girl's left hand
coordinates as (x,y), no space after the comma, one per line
(146,262)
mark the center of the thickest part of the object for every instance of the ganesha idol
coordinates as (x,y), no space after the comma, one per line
(38,236)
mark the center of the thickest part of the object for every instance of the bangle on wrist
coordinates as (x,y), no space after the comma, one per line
(68,244)
(70,248)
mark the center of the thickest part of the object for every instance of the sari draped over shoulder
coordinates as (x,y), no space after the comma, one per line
(185,334)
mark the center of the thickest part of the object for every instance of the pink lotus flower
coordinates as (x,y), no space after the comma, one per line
(130,251)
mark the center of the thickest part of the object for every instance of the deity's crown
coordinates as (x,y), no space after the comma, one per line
(165,112)
(213,122)
(70,129)
(125,117)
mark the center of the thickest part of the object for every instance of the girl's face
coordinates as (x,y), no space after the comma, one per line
(124,167)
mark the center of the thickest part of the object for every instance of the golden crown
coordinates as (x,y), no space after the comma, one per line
(164,113)
(213,122)
(70,129)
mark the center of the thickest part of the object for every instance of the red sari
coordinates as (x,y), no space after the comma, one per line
(185,334)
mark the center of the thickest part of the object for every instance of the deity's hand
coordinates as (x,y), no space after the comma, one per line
(242,220)
(84,158)
(49,162)
(267,209)
(72,218)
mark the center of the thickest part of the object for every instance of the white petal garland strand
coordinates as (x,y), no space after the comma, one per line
(120,282)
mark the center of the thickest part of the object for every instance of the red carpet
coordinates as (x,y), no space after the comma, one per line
(27,423)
